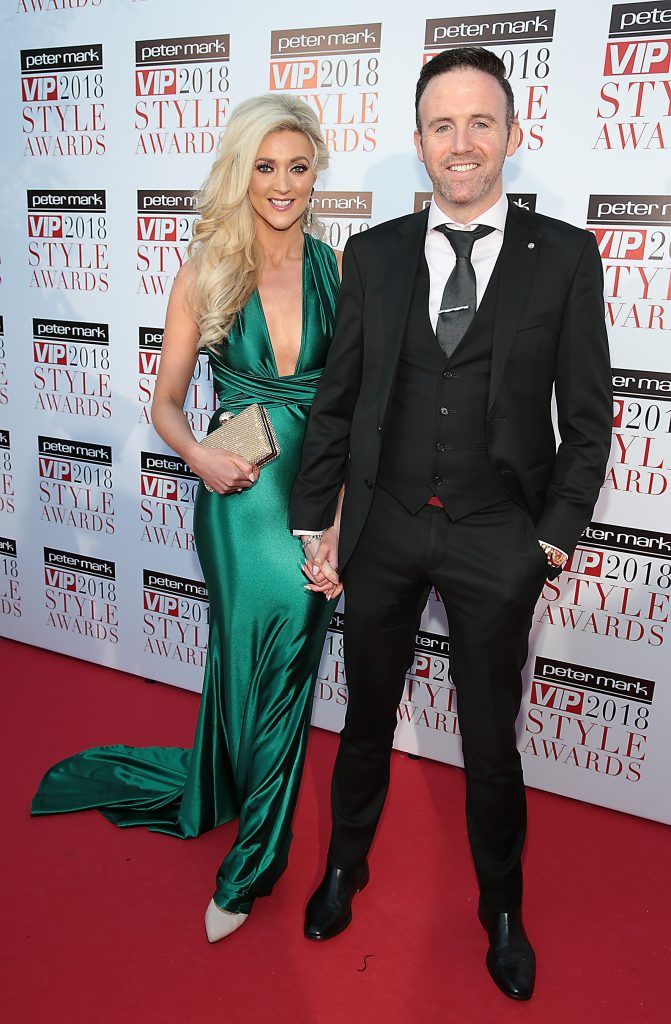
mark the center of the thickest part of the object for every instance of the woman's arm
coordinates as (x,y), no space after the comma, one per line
(224,471)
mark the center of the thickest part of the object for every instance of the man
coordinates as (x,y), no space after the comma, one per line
(453,326)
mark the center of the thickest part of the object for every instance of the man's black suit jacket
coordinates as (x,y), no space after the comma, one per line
(549,331)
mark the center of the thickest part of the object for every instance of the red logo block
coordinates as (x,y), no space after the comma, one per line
(51,353)
(162,604)
(62,579)
(585,562)
(158,487)
(638,58)
(157,229)
(52,469)
(149,362)
(155,81)
(40,226)
(546,695)
(616,244)
(293,74)
(39,89)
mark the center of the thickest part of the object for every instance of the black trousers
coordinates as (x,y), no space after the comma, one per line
(489,571)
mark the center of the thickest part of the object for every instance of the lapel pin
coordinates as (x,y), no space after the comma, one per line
(531,245)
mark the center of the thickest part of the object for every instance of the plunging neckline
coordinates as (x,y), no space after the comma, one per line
(286,376)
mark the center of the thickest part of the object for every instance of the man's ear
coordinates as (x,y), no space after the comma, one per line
(514,138)
(418,144)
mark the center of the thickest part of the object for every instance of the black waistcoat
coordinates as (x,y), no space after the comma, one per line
(435,434)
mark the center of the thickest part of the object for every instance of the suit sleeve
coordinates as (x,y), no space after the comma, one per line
(583,389)
(327,441)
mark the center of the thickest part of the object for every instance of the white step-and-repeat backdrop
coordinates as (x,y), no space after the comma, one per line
(110,118)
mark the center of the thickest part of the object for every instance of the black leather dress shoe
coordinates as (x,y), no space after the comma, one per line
(329,910)
(511,960)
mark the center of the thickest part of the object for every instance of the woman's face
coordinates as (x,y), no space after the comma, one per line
(282,179)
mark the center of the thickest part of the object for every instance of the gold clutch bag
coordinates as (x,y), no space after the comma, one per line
(249,434)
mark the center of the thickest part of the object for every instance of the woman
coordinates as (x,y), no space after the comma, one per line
(259,291)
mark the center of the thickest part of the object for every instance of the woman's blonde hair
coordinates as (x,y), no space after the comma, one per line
(224,261)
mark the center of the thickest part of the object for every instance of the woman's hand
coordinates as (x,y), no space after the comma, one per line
(223,471)
(321,564)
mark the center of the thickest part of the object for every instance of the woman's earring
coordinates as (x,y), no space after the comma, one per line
(308,219)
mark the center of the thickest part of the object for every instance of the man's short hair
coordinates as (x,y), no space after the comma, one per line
(475,57)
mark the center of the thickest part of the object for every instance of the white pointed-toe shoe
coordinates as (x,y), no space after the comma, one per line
(220,923)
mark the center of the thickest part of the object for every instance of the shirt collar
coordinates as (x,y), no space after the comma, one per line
(494,217)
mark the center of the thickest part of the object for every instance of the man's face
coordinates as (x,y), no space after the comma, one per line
(464,140)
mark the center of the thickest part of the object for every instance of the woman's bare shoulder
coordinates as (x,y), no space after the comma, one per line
(185,276)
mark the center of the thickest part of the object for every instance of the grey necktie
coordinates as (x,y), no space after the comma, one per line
(457,308)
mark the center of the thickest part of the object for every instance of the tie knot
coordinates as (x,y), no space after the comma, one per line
(463,241)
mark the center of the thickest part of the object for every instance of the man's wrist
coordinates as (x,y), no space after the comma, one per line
(556,558)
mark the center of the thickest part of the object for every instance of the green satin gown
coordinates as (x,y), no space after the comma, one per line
(265,641)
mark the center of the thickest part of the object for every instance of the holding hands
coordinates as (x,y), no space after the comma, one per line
(321,563)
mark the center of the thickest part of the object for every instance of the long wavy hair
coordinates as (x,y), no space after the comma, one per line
(223,256)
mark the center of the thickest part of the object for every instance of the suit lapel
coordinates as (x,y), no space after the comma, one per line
(400,271)
(517,265)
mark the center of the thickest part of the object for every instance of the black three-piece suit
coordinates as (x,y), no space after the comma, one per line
(400,423)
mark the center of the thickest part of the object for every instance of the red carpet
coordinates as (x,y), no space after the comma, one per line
(106,926)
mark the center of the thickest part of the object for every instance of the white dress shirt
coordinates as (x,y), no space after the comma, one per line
(441,258)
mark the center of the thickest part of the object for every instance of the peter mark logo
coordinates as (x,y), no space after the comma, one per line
(80,595)
(168,489)
(182,89)
(634,236)
(336,70)
(10,589)
(589,718)
(640,460)
(200,401)
(67,232)
(71,368)
(344,213)
(62,92)
(176,617)
(4,390)
(634,107)
(523,200)
(164,226)
(526,36)
(6,475)
(615,585)
(75,480)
